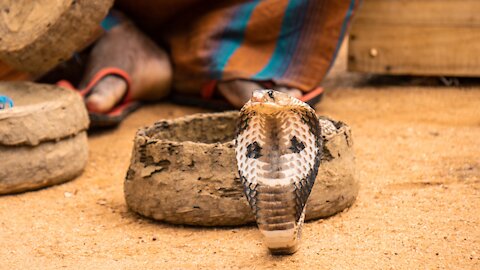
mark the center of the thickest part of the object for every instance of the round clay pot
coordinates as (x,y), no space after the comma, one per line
(184,171)
(42,138)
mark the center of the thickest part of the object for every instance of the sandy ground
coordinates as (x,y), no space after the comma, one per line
(418,161)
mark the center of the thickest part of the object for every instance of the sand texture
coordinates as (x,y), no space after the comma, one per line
(417,155)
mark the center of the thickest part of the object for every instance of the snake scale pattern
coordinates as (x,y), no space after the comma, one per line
(278,148)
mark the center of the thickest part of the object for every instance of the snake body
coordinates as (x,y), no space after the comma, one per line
(278,148)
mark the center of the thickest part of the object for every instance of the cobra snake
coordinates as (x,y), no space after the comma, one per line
(278,147)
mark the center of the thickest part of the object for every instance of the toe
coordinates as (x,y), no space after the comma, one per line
(106,94)
(291,91)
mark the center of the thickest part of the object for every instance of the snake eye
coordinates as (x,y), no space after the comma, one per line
(297,146)
(254,150)
(270,94)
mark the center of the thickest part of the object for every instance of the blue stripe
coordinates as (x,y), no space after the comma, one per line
(4,101)
(342,32)
(231,38)
(109,22)
(287,41)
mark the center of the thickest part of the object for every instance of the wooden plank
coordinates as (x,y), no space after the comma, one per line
(416,37)
(464,13)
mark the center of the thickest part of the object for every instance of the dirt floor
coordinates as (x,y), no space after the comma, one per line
(418,161)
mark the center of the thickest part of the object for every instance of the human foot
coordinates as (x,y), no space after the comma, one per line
(106,93)
(126,48)
(238,92)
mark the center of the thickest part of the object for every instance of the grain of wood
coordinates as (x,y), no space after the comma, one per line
(439,38)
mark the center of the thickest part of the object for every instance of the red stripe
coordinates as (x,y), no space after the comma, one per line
(208,89)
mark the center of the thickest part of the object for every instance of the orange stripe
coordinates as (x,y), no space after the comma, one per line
(260,40)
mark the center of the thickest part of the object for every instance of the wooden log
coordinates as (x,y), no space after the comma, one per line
(37,35)
(416,37)
(43,138)
(184,171)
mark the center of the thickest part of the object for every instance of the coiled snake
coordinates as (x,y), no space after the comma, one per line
(278,147)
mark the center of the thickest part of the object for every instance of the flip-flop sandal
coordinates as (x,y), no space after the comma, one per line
(207,100)
(120,111)
(313,97)
(5,102)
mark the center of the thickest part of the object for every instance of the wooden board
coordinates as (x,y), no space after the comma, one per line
(37,35)
(416,37)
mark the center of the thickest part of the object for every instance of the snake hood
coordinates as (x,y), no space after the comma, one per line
(278,148)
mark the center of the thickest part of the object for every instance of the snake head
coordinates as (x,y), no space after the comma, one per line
(269,96)
(268,100)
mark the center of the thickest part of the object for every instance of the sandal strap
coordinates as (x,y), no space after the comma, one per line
(312,94)
(208,89)
(102,73)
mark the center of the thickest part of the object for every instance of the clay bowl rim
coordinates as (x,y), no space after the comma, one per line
(341,128)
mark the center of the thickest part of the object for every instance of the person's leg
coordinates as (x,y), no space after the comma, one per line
(126,48)
(241,46)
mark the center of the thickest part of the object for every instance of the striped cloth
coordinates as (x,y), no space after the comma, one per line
(287,42)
